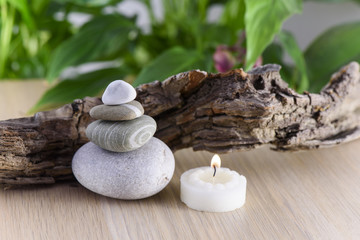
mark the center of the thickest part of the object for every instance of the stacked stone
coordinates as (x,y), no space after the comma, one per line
(123,159)
(121,125)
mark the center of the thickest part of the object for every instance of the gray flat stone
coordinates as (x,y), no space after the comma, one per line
(130,175)
(121,136)
(126,111)
(118,92)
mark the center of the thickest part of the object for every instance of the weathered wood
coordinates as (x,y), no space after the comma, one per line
(215,112)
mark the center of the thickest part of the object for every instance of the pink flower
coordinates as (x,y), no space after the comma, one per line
(226,57)
(223,59)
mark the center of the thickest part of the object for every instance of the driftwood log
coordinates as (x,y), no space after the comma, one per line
(214,112)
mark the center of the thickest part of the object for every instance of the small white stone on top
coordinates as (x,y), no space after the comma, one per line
(118,92)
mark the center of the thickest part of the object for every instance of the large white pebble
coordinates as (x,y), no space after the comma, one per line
(130,175)
(118,92)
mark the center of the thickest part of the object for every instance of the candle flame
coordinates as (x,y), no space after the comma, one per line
(215,161)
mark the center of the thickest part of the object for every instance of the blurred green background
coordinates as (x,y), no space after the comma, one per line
(146,40)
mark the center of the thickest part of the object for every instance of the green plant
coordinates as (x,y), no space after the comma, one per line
(28,34)
(35,44)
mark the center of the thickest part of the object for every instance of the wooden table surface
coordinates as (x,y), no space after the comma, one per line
(303,195)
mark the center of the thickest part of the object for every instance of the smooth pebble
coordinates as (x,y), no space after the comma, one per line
(126,111)
(118,92)
(121,136)
(130,175)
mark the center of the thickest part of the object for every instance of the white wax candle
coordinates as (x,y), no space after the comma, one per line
(201,191)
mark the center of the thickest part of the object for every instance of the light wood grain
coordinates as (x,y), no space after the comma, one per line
(303,195)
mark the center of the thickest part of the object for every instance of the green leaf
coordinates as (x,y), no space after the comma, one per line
(333,49)
(292,48)
(333,1)
(233,14)
(102,36)
(214,35)
(273,53)
(88,3)
(24,8)
(263,19)
(89,84)
(7,23)
(170,62)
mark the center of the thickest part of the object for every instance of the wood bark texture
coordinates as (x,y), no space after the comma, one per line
(215,112)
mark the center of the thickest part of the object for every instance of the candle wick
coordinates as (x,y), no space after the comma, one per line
(214,171)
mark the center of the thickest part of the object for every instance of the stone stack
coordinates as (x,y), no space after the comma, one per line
(123,159)
(121,125)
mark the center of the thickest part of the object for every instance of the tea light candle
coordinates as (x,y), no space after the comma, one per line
(213,189)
